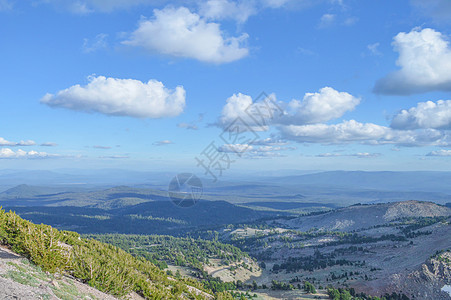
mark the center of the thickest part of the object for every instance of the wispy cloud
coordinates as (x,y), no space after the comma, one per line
(441,152)
(49,144)
(373,48)
(163,143)
(98,43)
(115,157)
(359,155)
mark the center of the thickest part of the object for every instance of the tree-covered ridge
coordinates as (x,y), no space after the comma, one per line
(178,251)
(103,266)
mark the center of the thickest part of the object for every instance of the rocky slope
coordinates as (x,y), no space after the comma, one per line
(430,281)
(20,279)
(365,216)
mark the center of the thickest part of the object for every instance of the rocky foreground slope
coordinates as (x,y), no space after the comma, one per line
(20,279)
(431,281)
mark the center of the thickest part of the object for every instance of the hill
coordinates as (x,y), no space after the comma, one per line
(105,267)
(365,216)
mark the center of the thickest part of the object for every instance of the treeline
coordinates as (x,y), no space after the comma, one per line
(313,262)
(103,266)
(163,249)
(350,294)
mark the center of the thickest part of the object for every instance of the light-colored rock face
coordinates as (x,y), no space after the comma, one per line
(415,208)
(432,281)
(447,289)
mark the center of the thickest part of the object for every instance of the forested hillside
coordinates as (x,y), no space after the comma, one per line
(100,265)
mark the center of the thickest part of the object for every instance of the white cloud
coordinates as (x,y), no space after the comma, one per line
(49,144)
(163,143)
(191,126)
(350,21)
(256,116)
(270,142)
(440,152)
(121,97)
(323,106)
(425,115)
(364,133)
(115,157)
(251,151)
(424,61)
(7,153)
(327,20)
(359,155)
(224,9)
(99,42)
(4,142)
(373,48)
(101,147)
(235,148)
(181,33)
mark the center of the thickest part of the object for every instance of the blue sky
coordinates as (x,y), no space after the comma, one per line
(149,85)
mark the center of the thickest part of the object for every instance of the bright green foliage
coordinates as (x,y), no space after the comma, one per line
(102,266)
(309,288)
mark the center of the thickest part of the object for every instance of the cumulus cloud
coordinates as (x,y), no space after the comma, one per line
(241,112)
(441,152)
(425,115)
(7,153)
(121,97)
(424,61)
(181,33)
(323,106)
(4,142)
(364,133)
